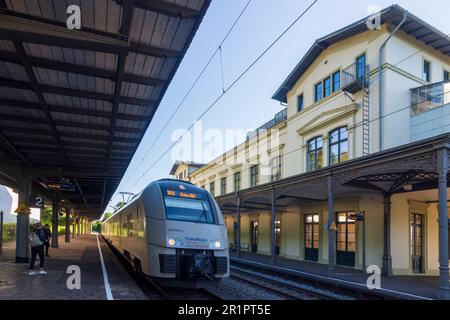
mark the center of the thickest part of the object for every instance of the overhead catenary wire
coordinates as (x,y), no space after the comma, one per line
(194,84)
(258,58)
(245,71)
(360,123)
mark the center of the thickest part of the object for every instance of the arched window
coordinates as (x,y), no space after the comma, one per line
(338,146)
(314,157)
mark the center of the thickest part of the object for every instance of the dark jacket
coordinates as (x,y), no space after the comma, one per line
(41,234)
(48,234)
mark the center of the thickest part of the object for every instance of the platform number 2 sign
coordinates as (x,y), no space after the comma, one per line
(37,202)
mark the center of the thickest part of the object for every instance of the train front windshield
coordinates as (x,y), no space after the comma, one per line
(186,209)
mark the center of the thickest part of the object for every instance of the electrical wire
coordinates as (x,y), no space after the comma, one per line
(260,56)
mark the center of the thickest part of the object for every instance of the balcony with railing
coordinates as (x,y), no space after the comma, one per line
(430,110)
(278,118)
(353,78)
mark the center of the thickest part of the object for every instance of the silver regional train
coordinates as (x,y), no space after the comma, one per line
(171,230)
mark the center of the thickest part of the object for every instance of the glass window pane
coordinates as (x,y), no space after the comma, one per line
(426,70)
(351,247)
(334,136)
(334,154)
(316,244)
(319,159)
(336,81)
(343,134)
(316,218)
(351,237)
(300,103)
(319,143)
(326,87)
(312,145)
(318,93)
(351,227)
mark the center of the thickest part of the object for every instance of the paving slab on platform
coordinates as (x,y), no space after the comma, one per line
(82,251)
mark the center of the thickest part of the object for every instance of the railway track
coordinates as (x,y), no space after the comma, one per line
(322,288)
(285,289)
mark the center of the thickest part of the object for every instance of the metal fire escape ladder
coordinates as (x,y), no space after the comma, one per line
(366,112)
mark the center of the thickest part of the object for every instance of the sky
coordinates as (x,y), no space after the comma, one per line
(248,104)
(35,213)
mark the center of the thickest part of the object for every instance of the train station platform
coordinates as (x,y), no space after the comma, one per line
(397,287)
(93,257)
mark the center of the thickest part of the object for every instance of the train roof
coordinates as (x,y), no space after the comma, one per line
(137,196)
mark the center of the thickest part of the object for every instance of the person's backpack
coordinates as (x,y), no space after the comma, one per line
(35,240)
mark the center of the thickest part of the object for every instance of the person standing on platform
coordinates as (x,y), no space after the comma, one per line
(48,235)
(37,240)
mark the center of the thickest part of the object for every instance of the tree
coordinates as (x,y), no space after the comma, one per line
(46,217)
(119,206)
(97,226)
(106,216)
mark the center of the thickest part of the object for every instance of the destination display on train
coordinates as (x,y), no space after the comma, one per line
(183,194)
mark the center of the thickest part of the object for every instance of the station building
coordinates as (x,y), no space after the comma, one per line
(354,171)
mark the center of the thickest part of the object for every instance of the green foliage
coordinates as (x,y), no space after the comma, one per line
(97,226)
(46,218)
(9,231)
(107,215)
(119,206)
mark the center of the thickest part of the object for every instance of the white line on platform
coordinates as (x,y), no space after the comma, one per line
(109,295)
(337,280)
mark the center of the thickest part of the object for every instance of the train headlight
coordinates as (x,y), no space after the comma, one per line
(175,242)
(171,242)
(218,244)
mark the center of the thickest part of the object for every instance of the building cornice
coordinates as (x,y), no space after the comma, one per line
(341,113)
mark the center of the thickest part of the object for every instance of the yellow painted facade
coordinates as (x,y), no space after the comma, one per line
(318,119)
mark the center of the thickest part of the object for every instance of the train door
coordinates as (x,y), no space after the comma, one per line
(346,239)
(416,234)
(312,237)
(254,235)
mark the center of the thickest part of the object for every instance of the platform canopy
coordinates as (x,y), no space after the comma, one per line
(75,104)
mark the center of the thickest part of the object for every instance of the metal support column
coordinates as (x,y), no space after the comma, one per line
(331,228)
(442,168)
(272,226)
(67,225)
(387,258)
(23,220)
(78,225)
(238,226)
(73,224)
(55,216)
